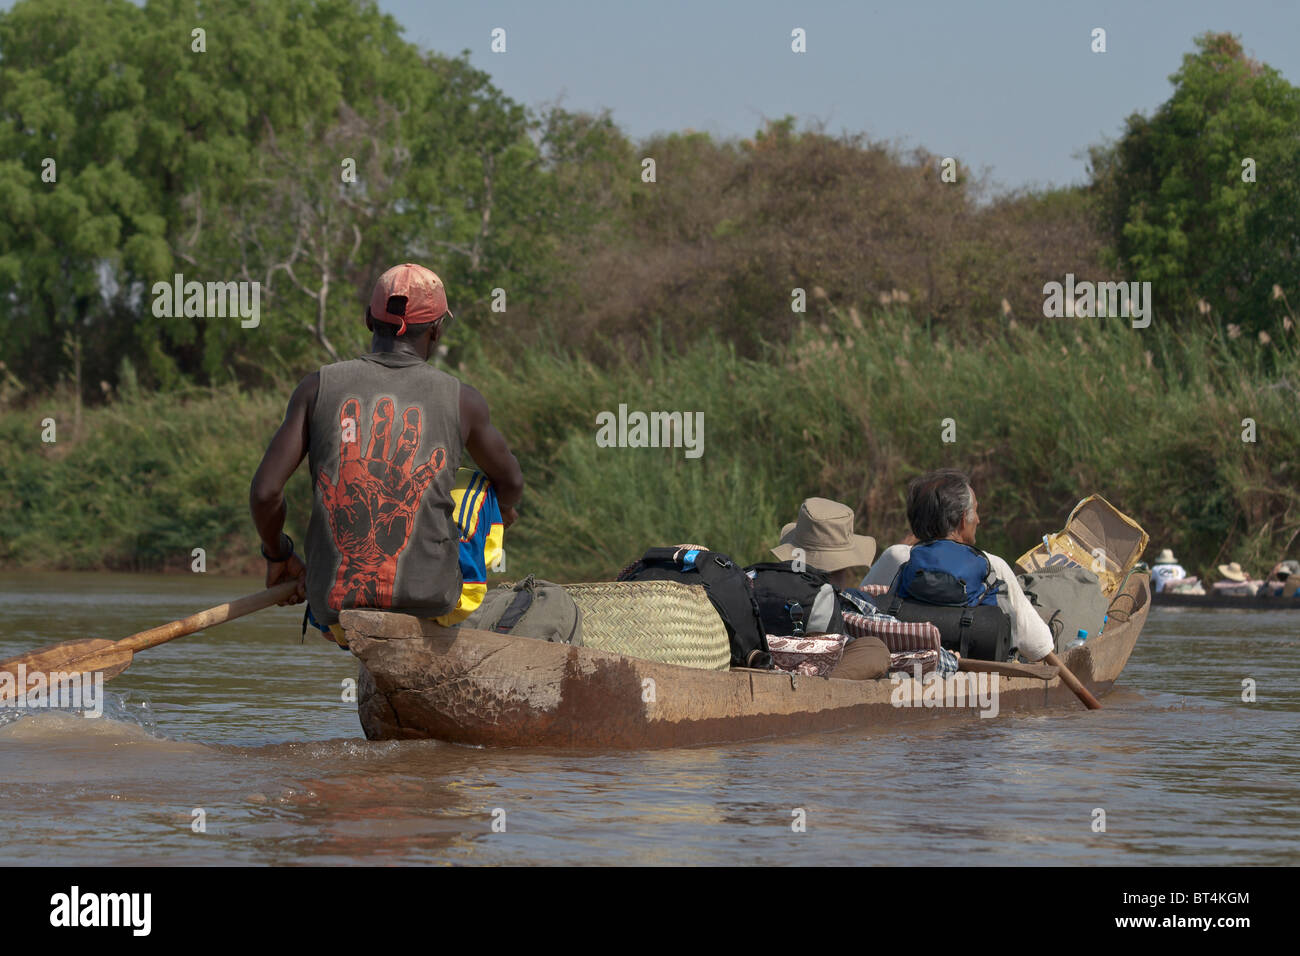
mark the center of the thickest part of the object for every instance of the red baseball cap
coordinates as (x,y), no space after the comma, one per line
(420,296)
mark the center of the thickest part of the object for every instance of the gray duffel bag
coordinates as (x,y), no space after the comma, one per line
(529,608)
(1069,599)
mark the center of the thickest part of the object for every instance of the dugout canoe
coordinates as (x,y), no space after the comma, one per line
(1218,601)
(420,681)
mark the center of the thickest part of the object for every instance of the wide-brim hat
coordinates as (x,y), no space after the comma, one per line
(824,532)
(1233,572)
(1166,557)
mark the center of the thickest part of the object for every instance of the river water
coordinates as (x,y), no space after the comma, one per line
(248,725)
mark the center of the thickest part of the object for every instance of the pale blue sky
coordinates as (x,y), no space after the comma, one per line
(1011,85)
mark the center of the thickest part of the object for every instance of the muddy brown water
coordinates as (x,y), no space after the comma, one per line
(249,726)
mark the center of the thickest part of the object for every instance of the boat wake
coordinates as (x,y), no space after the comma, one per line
(342,749)
(121,716)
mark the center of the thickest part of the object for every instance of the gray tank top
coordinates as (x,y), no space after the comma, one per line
(384,446)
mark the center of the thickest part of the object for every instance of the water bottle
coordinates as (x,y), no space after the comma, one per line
(1079,639)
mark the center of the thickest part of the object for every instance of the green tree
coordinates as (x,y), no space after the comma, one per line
(220,155)
(1173,196)
(76,215)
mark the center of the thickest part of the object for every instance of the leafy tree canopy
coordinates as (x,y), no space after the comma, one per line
(1201,198)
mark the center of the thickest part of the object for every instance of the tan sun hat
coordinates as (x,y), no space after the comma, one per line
(824,530)
(1166,557)
(1233,572)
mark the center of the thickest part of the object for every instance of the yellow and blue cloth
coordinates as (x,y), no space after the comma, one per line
(478,515)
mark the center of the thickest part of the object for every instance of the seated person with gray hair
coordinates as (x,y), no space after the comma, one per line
(941,507)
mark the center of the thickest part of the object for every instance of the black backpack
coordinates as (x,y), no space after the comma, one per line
(730,591)
(794,603)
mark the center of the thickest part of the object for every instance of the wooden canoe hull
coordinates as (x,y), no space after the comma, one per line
(1167,599)
(419,681)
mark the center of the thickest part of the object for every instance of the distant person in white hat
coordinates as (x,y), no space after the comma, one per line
(1236,581)
(1166,572)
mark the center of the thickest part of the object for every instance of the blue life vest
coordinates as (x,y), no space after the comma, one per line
(947,573)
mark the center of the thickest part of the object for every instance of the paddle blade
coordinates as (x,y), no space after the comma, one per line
(72,657)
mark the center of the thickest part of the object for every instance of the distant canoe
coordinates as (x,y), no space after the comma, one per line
(420,681)
(1167,599)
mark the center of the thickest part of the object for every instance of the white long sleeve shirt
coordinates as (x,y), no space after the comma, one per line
(1029,632)
(1162,574)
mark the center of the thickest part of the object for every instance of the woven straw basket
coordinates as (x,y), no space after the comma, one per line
(662,621)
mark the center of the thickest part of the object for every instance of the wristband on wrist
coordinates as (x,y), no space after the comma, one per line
(286,557)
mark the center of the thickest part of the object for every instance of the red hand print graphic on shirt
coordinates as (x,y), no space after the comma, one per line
(372,508)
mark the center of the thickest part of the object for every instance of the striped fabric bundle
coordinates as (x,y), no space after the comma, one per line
(898,636)
(943,661)
(908,661)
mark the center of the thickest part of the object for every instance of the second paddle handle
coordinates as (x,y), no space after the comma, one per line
(1073,683)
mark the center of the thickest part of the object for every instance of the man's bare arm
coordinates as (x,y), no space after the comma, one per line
(489,449)
(266,493)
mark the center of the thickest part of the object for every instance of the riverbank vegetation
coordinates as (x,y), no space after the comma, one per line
(853,407)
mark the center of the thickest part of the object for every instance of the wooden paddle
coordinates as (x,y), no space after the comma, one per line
(1049,668)
(110,658)
(1073,683)
(1040,671)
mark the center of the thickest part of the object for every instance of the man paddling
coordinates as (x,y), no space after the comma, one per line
(1283,580)
(385,433)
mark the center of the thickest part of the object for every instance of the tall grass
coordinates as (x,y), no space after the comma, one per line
(150,478)
(850,410)
(857,406)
